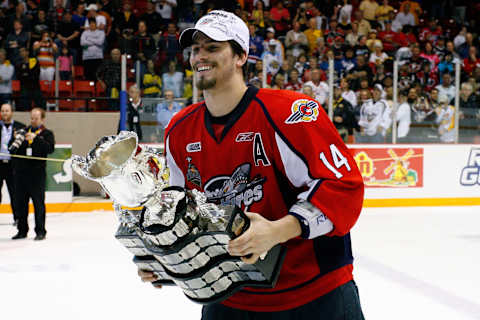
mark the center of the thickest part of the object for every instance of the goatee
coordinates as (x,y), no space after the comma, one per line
(204,84)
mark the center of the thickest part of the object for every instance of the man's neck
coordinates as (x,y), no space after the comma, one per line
(224,98)
(9,121)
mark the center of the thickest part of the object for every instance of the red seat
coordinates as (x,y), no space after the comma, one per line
(79,72)
(100,92)
(16,87)
(84,88)
(46,87)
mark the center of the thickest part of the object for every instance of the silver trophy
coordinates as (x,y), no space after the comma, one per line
(173,232)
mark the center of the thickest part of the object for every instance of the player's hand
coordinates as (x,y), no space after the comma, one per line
(148,276)
(259,238)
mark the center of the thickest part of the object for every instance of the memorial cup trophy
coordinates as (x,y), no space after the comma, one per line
(174,232)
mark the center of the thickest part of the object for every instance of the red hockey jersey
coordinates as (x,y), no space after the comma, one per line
(275,148)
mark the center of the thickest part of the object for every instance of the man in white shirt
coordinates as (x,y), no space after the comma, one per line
(271,58)
(445,119)
(403,18)
(320,88)
(370,120)
(92,13)
(446,87)
(403,117)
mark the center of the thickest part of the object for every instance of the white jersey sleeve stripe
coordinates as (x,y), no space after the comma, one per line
(176,175)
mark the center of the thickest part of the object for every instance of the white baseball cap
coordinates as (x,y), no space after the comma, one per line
(219,25)
(92,7)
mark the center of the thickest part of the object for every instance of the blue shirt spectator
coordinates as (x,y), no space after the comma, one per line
(173,80)
(167,109)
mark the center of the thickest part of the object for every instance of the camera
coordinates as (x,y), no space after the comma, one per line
(19,138)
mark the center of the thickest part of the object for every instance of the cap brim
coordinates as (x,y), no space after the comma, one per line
(186,37)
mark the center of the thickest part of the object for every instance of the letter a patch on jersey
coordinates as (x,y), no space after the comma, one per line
(259,153)
(303,110)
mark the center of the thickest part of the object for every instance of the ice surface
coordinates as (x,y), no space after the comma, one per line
(411,263)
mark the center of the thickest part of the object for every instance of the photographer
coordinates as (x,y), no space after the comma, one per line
(8,131)
(30,174)
(45,51)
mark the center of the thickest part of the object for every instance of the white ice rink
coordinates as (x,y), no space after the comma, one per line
(411,263)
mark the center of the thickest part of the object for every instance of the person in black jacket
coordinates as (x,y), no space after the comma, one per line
(343,115)
(8,130)
(134,106)
(30,174)
(28,73)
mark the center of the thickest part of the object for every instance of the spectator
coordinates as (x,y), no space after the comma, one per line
(278,81)
(403,18)
(446,66)
(45,50)
(279,52)
(6,75)
(173,80)
(28,73)
(333,32)
(69,35)
(16,40)
(428,78)
(343,115)
(469,108)
(464,49)
(414,8)
(361,71)
(167,109)
(369,9)
(109,22)
(109,75)
(450,49)
(66,64)
(430,55)
(92,42)
(256,47)
(134,108)
(361,49)
(165,9)
(294,81)
(372,41)
(467,99)
(145,43)
(446,88)
(258,16)
(40,24)
(271,58)
(8,131)
(460,38)
(152,83)
(152,19)
(445,119)
(345,12)
(403,117)
(79,16)
(347,93)
(382,13)
(280,17)
(101,21)
(307,90)
(379,98)
(169,48)
(370,120)
(378,56)
(125,22)
(389,38)
(30,174)
(19,15)
(295,41)
(352,37)
(364,26)
(320,88)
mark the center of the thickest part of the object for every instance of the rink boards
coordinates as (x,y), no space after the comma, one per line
(394,176)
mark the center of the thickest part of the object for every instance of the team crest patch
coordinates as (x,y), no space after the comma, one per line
(303,110)
(193,175)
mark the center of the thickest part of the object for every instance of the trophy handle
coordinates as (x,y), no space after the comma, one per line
(238,223)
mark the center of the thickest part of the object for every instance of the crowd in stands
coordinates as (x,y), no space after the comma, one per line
(294,40)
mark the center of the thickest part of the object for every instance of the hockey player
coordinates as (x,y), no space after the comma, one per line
(303,189)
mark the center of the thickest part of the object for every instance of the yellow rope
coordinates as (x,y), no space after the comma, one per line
(391,159)
(31,157)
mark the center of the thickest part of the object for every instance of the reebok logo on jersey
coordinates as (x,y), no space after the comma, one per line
(244,137)
(194,147)
(471,173)
(303,110)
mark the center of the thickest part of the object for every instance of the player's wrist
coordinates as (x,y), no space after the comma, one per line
(286,228)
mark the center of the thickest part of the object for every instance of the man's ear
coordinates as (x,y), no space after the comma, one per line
(242,60)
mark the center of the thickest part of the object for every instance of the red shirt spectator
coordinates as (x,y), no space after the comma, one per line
(472,62)
(388,37)
(281,17)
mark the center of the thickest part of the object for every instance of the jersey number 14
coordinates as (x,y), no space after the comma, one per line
(338,160)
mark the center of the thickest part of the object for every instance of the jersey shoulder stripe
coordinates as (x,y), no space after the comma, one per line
(183,114)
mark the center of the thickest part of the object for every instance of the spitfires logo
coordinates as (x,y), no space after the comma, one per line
(303,110)
(237,189)
(471,173)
